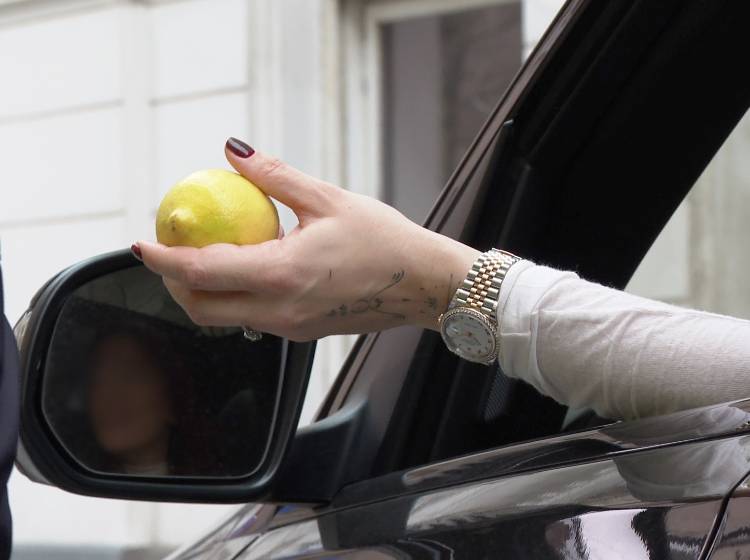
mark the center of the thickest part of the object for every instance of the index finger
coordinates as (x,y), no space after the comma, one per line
(219,267)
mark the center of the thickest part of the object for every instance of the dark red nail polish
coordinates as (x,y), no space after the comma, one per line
(136,250)
(239,148)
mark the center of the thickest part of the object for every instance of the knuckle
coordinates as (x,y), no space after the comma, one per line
(194,317)
(271,167)
(292,282)
(274,279)
(179,293)
(194,309)
(291,323)
(185,298)
(198,316)
(332,195)
(287,323)
(284,275)
(194,274)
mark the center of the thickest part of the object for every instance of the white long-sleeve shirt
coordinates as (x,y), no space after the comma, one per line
(589,346)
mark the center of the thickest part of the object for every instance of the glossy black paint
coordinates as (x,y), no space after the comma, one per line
(612,441)
(733,539)
(605,509)
(635,506)
(651,488)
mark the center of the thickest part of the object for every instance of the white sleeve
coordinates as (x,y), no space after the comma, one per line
(588,346)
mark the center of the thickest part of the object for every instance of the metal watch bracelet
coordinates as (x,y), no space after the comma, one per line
(481,287)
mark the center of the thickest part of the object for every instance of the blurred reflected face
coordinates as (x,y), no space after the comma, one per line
(128,398)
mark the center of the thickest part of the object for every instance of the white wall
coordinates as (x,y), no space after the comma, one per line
(103,106)
(71,95)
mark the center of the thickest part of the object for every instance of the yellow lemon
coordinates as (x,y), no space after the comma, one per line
(215,206)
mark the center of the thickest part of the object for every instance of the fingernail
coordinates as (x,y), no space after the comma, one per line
(239,148)
(136,250)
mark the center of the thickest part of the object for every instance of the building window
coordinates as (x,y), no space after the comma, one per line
(441,76)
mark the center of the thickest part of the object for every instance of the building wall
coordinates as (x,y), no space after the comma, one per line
(105,103)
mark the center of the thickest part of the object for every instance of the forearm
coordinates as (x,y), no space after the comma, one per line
(586,345)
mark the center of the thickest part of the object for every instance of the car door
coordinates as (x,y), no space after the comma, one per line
(417,454)
(621,491)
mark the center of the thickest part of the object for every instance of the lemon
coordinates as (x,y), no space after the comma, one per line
(215,206)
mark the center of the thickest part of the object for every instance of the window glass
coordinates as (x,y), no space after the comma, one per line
(701,256)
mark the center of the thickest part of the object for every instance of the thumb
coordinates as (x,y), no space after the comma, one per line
(302,193)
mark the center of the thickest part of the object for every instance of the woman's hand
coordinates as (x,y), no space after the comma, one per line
(352,265)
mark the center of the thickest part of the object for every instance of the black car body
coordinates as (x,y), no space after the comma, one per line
(416,454)
(626,490)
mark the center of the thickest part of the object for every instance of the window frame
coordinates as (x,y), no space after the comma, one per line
(361,24)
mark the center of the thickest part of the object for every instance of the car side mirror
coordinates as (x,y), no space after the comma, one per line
(124,397)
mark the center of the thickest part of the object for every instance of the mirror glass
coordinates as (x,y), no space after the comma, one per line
(131,386)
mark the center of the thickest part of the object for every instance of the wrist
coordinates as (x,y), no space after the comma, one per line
(445,266)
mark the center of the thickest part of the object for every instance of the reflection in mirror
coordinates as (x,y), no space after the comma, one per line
(131,386)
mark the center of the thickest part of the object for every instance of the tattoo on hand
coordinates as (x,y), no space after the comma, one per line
(432,304)
(372,302)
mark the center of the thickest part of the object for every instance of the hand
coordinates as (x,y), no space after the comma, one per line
(352,265)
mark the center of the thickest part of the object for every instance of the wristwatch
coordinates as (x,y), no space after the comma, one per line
(469,325)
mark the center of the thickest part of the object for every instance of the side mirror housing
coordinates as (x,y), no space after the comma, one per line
(124,397)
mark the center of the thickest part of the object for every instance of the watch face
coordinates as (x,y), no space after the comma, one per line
(468,335)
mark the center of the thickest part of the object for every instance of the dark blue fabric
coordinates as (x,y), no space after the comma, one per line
(9,405)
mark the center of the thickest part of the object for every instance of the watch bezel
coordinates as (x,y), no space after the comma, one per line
(485,321)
